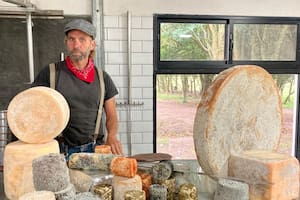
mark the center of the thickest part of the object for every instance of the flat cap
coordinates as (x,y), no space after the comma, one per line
(82,25)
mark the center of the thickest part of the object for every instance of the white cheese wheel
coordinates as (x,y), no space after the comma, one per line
(123,184)
(241,110)
(17,171)
(38,114)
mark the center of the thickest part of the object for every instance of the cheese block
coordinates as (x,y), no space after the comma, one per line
(231,190)
(38,195)
(103,190)
(270,175)
(135,195)
(90,161)
(123,184)
(122,166)
(50,172)
(187,191)
(17,169)
(37,115)
(146,181)
(240,110)
(170,184)
(104,149)
(81,181)
(85,196)
(66,194)
(157,191)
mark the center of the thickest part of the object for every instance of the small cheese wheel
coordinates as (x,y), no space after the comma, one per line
(122,184)
(122,166)
(268,174)
(104,149)
(241,110)
(37,115)
(38,195)
(17,172)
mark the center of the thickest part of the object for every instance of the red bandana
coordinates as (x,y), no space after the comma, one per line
(87,74)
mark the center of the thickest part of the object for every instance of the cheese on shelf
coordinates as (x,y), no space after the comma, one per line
(240,110)
(37,115)
(270,175)
(123,184)
(122,166)
(17,169)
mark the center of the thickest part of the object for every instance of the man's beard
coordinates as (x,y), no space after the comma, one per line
(76,57)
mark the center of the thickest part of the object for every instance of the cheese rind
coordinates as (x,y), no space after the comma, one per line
(241,110)
(38,114)
(270,175)
(122,166)
(38,195)
(17,169)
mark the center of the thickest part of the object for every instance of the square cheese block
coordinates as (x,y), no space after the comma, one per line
(270,175)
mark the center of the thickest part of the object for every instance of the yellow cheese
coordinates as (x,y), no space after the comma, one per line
(38,114)
(270,175)
(17,169)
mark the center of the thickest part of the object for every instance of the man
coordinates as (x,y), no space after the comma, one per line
(77,79)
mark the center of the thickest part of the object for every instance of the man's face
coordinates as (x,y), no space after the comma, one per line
(79,45)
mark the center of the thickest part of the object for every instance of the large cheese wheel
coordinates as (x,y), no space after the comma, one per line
(38,114)
(17,172)
(240,110)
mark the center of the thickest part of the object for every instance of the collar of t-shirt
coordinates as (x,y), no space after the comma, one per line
(87,74)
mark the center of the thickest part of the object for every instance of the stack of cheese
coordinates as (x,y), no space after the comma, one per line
(35,116)
(237,130)
(125,178)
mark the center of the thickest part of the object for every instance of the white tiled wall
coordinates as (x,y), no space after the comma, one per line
(136,127)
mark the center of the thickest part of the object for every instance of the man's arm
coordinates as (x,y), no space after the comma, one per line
(112,126)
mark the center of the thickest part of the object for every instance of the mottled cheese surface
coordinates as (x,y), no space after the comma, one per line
(240,110)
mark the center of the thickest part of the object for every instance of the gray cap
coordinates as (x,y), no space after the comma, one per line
(81,25)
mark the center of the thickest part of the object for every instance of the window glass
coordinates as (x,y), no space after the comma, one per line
(264,42)
(191,41)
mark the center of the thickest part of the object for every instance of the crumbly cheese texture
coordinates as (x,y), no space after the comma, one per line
(17,171)
(38,114)
(241,110)
(270,175)
(123,184)
(38,195)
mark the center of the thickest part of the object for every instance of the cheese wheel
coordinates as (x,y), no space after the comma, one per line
(37,115)
(270,175)
(104,149)
(241,110)
(38,195)
(18,157)
(123,184)
(122,166)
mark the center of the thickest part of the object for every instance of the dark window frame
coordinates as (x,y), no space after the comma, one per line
(212,67)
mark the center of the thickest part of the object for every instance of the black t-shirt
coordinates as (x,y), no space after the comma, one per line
(83,99)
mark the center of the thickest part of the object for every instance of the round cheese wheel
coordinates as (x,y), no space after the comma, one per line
(17,171)
(38,195)
(38,114)
(240,110)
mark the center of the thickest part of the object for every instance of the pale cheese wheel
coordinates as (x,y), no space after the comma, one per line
(241,110)
(38,114)
(17,169)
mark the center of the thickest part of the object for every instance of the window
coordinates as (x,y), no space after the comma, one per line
(190,50)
